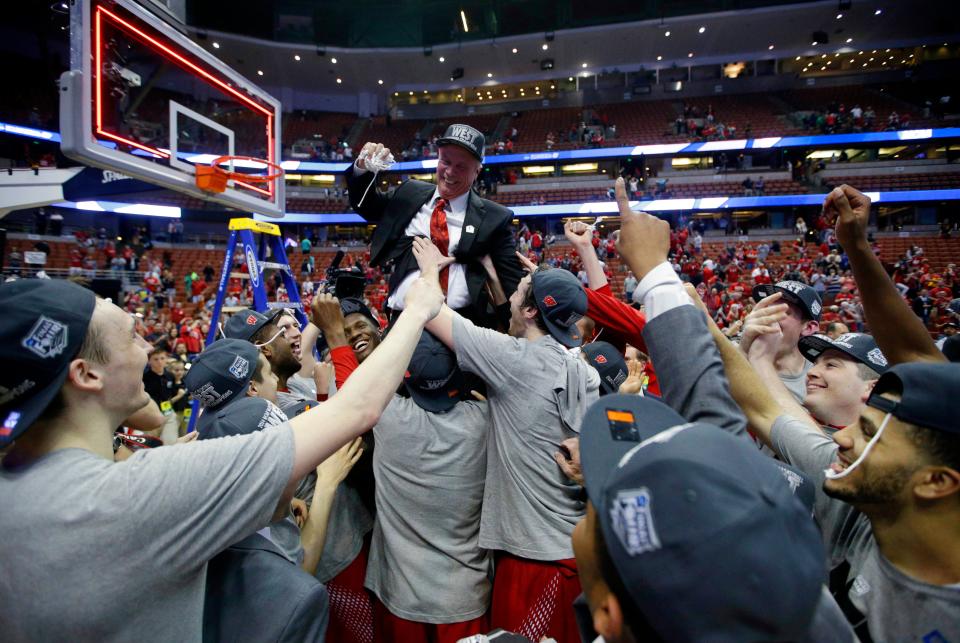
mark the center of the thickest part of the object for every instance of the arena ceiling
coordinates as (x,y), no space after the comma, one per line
(768,31)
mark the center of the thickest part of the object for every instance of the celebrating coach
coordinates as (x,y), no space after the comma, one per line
(460,223)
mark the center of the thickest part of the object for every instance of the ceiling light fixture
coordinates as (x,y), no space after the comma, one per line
(849,40)
(442,59)
(296,57)
(659,57)
(339,81)
(690,55)
(216,45)
(514,50)
(333,60)
(666,34)
(380,82)
(770,47)
(463,18)
(259,72)
(489,75)
(878,12)
(544,46)
(584,65)
(839,15)
(701,29)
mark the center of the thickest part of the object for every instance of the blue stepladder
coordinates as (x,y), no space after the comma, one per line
(259,255)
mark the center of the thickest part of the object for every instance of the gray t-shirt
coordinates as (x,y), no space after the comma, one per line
(538,393)
(92,550)
(797,384)
(426,564)
(881,602)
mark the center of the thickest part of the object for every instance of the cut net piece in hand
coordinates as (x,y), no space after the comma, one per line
(377,163)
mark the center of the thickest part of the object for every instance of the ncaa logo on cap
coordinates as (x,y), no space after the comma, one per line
(47,338)
(877,357)
(240,368)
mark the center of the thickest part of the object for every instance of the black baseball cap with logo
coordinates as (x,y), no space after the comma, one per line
(433,379)
(245,324)
(925,390)
(795,292)
(562,303)
(469,138)
(222,372)
(44,324)
(859,347)
(609,363)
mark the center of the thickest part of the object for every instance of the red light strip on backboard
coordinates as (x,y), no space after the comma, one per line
(192,67)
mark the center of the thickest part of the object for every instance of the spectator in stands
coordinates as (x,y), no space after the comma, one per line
(747,186)
(474,226)
(162,388)
(629,286)
(759,186)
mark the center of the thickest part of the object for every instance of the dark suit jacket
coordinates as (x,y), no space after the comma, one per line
(393,211)
(254,593)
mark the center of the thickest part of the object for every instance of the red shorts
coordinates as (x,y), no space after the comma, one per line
(389,628)
(351,610)
(534,598)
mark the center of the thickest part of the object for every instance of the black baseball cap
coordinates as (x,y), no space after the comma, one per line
(795,292)
(433,379)
(859,347)
(222,372)
(351,305)
(925,389)
(688,511)
(609,363)
(951,348)
(562,302)
(469,138)
(246,323)
(44,324)
(245,415)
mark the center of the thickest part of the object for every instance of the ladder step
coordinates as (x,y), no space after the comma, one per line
(239,275)
(265,265)
(285,304)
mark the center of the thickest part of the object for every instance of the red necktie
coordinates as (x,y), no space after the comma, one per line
(441,237)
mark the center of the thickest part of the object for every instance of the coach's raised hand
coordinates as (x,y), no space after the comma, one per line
(371,151)
(644,239)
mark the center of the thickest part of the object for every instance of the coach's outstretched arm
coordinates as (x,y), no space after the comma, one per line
(359,188)
(899,332)
(358,405)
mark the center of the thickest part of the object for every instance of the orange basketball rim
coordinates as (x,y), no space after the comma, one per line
(213,178)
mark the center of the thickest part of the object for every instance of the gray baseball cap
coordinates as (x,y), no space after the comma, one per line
(859,347)
(469,138)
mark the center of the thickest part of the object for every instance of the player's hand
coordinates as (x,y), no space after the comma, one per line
(334,469)
(763,349)
(323,374)
(300,512)
(326,314)
(525,263)
(764,319)
(634,382)
(570,465)
(188,437)
(644,239)
(428,256)
(849,209)
(578,234)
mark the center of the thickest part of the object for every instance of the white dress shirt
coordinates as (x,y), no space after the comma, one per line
(457,295)
(661,290)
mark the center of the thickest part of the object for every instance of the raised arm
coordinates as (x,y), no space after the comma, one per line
(899,332)
(358,405)
(579,234)
(359,188)
(431,261)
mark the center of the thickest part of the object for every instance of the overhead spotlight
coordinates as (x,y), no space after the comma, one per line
(690,55)
(259,72)
(554,86)
(659,57)
(839,15)
(570,79)
(797,58)
(411,93)
(770,48)
(296,57)
(333,60)
(878,12)
(216,45)
(514,50)
(489,74)
(380,82)
(339,81)
(442,59)
(584,65)
(545,46)
(849,40)
(424,91)
(666,33)
(701,29)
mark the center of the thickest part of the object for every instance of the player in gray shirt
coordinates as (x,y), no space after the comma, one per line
(888,505)
(426,566)
(538,392)
(84,539)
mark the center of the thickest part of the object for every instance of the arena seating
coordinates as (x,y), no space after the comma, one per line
(938,181)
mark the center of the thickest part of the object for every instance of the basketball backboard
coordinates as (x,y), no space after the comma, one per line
(143,99)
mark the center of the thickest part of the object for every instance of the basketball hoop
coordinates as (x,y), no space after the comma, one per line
(213,178)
